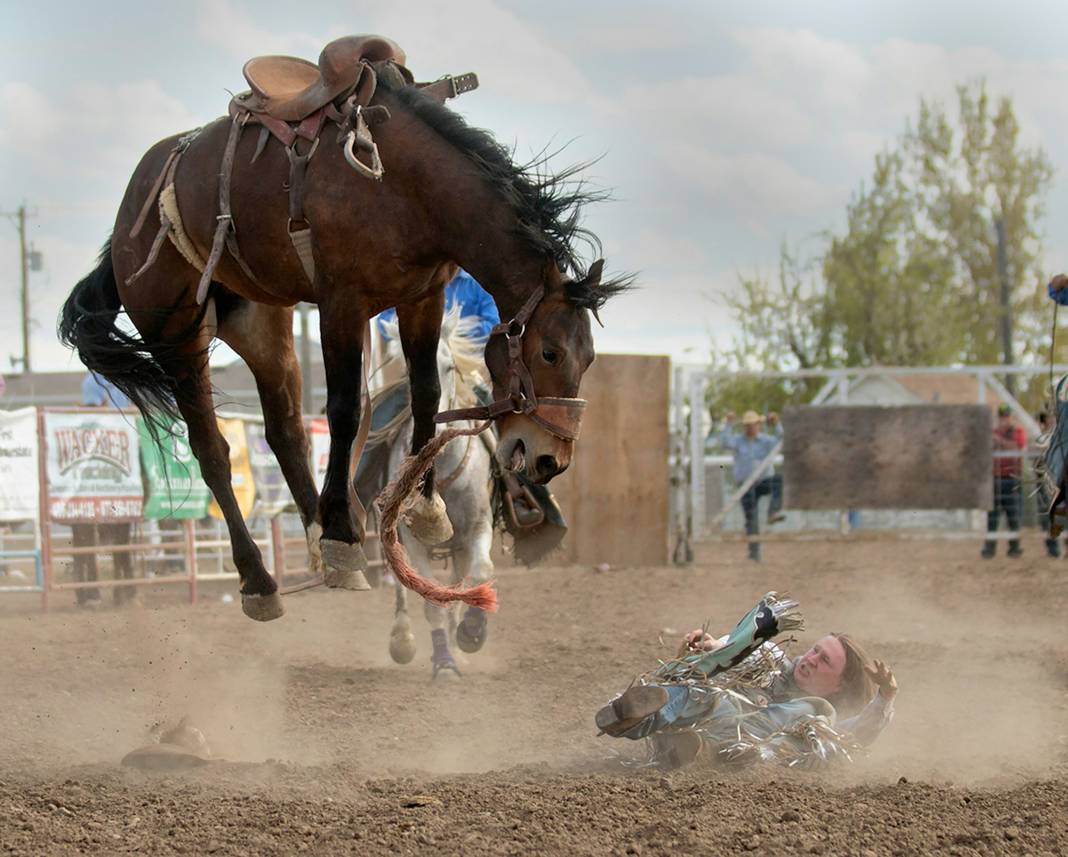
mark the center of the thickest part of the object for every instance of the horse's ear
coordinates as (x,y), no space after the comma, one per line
(593,275)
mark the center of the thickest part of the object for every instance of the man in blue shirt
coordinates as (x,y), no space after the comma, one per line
(463,289)
(750,447)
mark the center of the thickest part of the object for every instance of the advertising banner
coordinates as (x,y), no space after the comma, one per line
(320,445)
(93,467)
(19,479)
(173,482)
(272,493)
(240,469)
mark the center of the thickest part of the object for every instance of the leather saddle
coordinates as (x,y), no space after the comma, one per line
(291,89)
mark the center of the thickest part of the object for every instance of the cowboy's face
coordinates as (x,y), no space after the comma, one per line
(752,429)
(819,671)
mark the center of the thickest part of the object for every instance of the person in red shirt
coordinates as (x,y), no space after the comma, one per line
(1008,436)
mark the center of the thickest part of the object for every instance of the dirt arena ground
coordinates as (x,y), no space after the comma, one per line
(330,748)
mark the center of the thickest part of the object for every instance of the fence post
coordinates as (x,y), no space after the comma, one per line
(190,532)
(697,453)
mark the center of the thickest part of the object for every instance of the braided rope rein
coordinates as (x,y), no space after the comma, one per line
(395,499)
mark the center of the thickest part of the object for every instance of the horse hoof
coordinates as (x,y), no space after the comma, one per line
(446,671)
(428,521)
(402,647)
(471,633)
(262,608)
(343,565)
(352,579)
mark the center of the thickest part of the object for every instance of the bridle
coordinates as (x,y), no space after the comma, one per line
(559,416)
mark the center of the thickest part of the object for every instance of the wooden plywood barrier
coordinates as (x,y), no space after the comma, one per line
(907,457)
(615,493)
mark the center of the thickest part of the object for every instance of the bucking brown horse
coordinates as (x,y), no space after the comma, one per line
(290,198)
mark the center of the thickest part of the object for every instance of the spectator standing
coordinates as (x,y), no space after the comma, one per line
(98,392)
(750,447)
(1008,437)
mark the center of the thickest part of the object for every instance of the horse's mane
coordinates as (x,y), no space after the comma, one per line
(465,349)
(548,205)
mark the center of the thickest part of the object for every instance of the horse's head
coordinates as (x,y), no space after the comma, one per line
(557,348)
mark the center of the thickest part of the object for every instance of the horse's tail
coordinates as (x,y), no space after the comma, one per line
(87,323)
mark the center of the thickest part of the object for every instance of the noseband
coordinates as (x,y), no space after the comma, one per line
(558,416)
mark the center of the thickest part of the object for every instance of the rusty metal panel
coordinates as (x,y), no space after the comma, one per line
(905,457)
(615,493)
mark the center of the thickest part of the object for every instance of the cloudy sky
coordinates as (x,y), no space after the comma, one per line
(725,128)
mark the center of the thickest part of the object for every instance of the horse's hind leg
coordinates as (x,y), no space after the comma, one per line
(259,593)
(263,336)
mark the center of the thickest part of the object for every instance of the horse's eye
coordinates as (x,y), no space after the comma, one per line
(549,356)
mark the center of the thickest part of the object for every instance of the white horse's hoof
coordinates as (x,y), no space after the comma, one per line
(343,565)
(262,608)
(471,633)
(402,646)
(428,520)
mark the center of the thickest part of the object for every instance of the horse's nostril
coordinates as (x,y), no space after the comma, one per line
(547,466)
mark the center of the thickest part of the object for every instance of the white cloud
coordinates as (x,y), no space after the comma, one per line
(731,111)
(806,64)
(103,130)
(234,28)
(750,183)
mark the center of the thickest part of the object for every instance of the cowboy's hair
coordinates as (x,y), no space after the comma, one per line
(856,688)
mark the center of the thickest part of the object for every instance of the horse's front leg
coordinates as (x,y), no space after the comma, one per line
(420,331)
(341,328)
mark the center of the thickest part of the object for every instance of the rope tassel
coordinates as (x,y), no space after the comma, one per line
(391,503)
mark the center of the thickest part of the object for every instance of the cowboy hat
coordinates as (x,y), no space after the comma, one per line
(751,417)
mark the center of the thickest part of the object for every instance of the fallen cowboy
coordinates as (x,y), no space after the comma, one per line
(740,699)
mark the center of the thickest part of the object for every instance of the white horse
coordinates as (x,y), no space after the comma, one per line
(463,476)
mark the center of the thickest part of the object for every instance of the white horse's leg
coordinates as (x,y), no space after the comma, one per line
(473,562)
(441,658)
(401,638)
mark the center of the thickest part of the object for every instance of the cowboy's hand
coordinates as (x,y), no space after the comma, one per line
(698,641)
(729,418)
(884,679)
(773,418)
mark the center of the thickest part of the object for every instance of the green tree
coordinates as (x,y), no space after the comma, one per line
(918,276)
(968,179)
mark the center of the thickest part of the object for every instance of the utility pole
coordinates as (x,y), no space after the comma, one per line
(1006,302)
(19,217)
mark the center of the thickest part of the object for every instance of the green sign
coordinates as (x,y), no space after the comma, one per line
(173,486)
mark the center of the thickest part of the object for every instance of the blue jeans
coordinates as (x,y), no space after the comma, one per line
(1006,497)
(751,505)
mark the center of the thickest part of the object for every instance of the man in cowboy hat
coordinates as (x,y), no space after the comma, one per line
(750,447)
